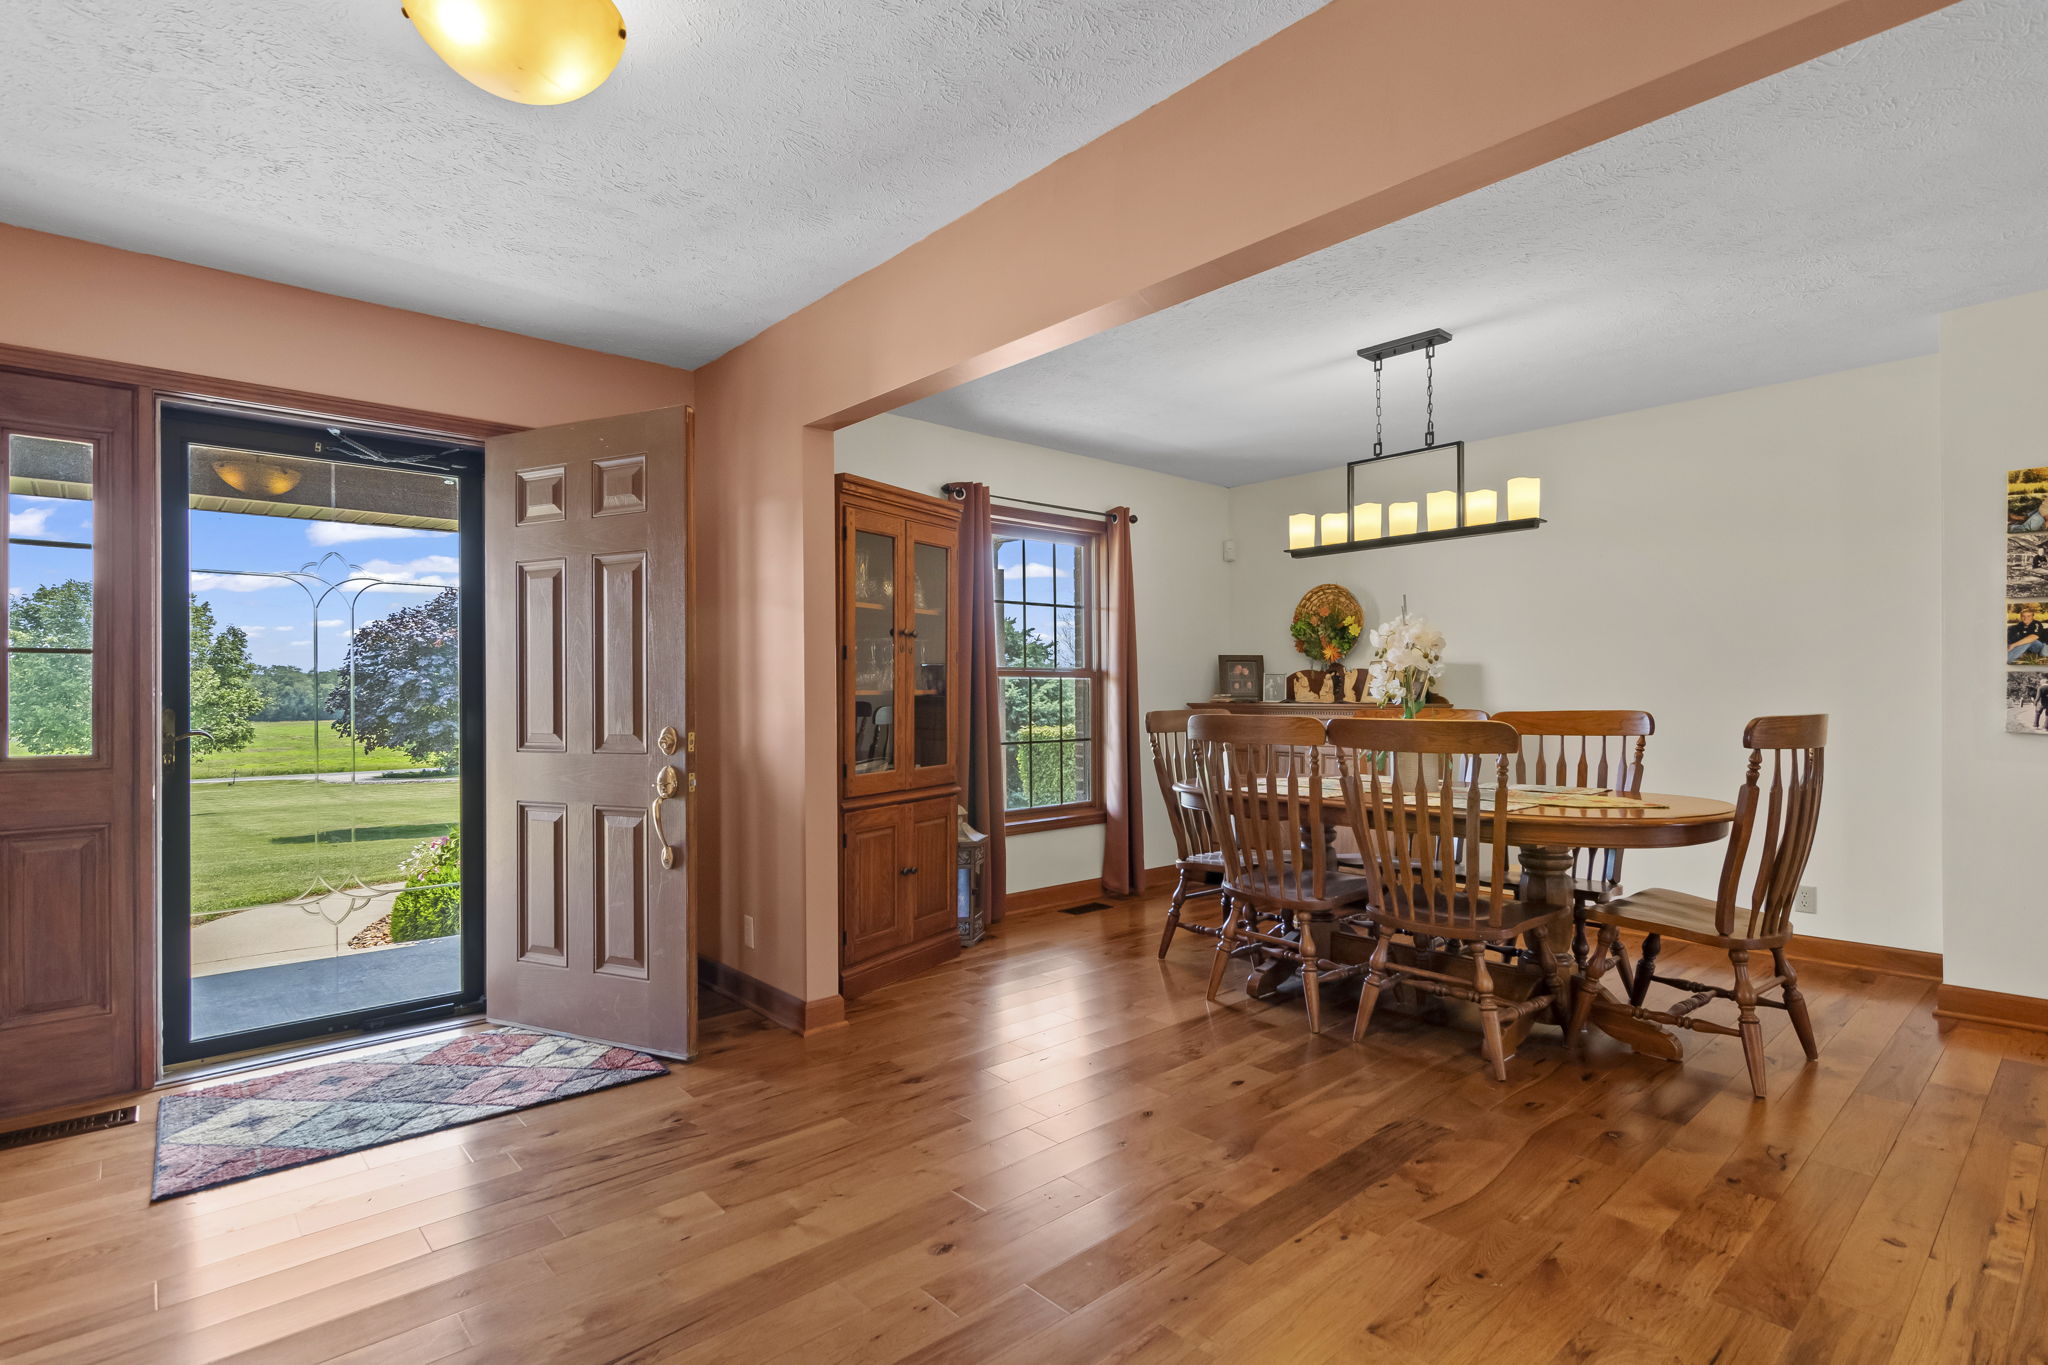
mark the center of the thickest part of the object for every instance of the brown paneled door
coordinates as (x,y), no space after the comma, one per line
(75,1021)
(588,771)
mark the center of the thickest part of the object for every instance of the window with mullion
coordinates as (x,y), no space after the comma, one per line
(47,575)
(1048,667)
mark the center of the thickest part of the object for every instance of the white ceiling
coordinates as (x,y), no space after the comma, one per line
(745,159)
(1815,221)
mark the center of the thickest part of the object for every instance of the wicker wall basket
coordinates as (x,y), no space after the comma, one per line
(1338,600)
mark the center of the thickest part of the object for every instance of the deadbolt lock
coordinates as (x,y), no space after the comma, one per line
(669,741)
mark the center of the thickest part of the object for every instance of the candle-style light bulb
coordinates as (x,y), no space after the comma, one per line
(1301,531)
(1443,510)
(1365,521)
(1334,530)
(1482,507)
(1525,498)
(1401,519)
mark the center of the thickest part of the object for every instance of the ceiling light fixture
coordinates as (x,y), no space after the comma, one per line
(257,476)
(527,51)
(1450,512)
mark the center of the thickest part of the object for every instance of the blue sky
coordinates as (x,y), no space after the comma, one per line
(283,621)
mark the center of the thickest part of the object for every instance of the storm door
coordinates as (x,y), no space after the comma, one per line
(321,732)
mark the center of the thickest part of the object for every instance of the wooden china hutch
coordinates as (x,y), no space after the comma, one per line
(901,724)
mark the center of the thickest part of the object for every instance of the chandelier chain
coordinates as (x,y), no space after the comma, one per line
(1379,443)
(1429,397)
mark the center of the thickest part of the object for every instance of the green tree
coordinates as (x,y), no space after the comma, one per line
(224,694)
(49,696)
(49,707)
(1038,774)
(292,693)
(407,690)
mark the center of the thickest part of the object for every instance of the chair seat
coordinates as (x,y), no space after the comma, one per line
(1340,890)
(1676,914)
(1465,921)
(1203,862)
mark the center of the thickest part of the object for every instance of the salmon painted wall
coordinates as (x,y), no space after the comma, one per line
(1360,114)
(79,298)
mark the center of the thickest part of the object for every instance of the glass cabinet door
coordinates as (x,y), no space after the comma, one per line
(872,654)
(933,715)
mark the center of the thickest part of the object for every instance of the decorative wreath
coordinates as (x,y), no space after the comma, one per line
(1327,623)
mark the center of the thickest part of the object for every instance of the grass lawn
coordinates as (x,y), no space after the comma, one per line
(259,842)
(286,746)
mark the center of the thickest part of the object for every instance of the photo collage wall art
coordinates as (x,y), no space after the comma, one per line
(2026,601)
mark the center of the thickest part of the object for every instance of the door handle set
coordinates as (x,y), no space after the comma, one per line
(668,783)
(172,734)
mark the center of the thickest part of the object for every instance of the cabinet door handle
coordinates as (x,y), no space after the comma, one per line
(906,872)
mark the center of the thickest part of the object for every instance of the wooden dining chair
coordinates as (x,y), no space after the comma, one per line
(1262,782)
(1430,874)
(1795,747)
(1197,858)
(1584,749)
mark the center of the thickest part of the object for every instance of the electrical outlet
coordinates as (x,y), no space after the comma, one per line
(1808,902)
(747,929)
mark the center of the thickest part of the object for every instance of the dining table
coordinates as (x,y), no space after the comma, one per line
(1547,835)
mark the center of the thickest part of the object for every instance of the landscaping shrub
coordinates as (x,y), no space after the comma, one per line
(435,909)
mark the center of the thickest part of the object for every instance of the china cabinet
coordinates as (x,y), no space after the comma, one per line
(900,731)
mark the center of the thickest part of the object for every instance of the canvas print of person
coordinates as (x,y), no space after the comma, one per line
(2026,566)
(2026,501)
(2026,633)
(2026,701)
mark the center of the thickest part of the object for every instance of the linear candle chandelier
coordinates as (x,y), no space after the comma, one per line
(1445,514)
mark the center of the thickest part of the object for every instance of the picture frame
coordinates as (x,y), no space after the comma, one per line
(1241,677)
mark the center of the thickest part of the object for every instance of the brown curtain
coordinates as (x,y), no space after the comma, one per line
(984,691)
(1123,762)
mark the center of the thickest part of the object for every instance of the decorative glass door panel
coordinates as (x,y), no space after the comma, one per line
(931,623)
(47,571)
(315,732)
(872,654)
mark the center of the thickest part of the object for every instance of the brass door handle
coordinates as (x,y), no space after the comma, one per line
(172,735)
(667,783)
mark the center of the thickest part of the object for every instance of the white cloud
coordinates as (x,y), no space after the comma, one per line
(430,571)
(331,623)
(298,642)
(32,521)
(345,532)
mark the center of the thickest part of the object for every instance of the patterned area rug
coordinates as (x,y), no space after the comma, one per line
(248,1128)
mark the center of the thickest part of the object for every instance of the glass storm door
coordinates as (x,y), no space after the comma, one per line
(319,732)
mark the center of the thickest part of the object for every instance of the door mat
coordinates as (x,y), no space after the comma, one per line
(240,1129)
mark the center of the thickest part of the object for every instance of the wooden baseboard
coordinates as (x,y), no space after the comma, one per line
(777,1006)
(1067,895)
(1966,1005)
(1838,952)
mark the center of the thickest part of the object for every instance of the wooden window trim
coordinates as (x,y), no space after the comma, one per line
(1029,523)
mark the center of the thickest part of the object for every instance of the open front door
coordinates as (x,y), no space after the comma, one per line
(586,551)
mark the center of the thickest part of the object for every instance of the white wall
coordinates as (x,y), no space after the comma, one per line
(1994,417)
(1181,582)
(1770,551)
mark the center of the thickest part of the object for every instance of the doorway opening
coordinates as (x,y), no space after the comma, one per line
(322,731)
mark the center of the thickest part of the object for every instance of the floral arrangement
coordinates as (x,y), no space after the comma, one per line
(1325,636)
(1407,656)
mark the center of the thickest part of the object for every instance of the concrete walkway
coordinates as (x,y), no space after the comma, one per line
(383,777)
(267,935)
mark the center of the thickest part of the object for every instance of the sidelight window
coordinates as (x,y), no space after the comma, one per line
(47,571)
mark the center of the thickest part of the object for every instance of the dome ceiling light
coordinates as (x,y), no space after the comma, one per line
(527,51)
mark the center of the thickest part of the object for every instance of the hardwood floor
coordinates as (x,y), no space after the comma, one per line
(1052,1152)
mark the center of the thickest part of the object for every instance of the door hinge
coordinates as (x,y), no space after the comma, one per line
(693,781)
(690,743)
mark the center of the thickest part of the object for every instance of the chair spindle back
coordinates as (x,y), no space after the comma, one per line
(1584,749)
(1173,763)
(1796,747)
(1419,826)
(1262,780)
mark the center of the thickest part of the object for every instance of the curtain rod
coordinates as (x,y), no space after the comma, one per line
(958,493)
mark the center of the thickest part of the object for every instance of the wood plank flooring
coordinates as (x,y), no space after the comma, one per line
(1054,1152)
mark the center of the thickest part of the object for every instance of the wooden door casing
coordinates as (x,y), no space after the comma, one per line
(586,547)
(77,1017)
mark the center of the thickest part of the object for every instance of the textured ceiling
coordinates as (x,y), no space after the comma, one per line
(1818,220)
(744,160)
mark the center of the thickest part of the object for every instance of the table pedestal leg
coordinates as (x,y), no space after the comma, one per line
(1547,882)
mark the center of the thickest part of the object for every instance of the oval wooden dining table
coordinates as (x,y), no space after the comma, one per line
(1547,838)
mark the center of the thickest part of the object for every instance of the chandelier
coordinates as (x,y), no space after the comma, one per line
(1445,514)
